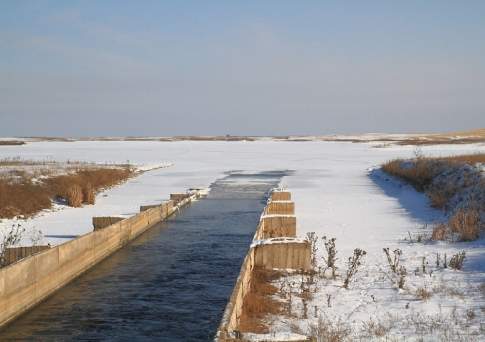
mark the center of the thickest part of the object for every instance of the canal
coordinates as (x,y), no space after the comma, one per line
(171,284)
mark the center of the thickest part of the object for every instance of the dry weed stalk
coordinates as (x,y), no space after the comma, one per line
(394,260)
(354,262)
(331,258)
(457,260)
(313,238)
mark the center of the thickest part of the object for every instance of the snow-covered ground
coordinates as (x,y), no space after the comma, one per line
(336,195)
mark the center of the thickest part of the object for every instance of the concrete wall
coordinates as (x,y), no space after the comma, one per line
(284,252)
(280,208)
(29,281)
(179,196)
(14,254)
(292,254)
(101,222)
(281,195)
(277,226)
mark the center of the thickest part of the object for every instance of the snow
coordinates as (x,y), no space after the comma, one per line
(271,241)
(337,194)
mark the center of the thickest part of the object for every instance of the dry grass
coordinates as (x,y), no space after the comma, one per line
(420,173)
(440,232)
(258,302)
(26,198)
(466,223)
(329,331)
(89,194)
(463,225)
(11,142)
(74,196)
(22,199)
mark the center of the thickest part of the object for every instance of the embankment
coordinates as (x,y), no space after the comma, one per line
(29,281)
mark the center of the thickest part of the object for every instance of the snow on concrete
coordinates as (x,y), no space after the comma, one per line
(335,195)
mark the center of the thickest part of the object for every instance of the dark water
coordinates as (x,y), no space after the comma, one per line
(171,284)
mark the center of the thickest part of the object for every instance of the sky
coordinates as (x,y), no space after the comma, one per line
(158,68)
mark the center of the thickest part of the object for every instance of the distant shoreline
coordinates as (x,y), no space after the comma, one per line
(465,137)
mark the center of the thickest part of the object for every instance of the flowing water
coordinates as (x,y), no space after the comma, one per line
(171,284)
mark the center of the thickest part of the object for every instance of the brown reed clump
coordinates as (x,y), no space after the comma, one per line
(466,223)
(89,195)
(440,232)
(22,196)
(74,196)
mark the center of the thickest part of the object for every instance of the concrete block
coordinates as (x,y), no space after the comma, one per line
(280,208)
(105,221)
(277,226)
(281,195)
(283,253)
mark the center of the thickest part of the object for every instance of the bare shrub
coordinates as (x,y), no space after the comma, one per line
(457,260)
(331,258)
(466,223)
(354,262)
(74,196)
(10,238)
(36,236)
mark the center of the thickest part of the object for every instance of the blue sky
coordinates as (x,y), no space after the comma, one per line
(248,67)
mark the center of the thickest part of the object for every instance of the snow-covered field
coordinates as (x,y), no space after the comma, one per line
(335,195)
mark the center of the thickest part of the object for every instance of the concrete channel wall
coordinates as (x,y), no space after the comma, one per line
(281,251)
(29,281)
(276,226)
(280,208)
